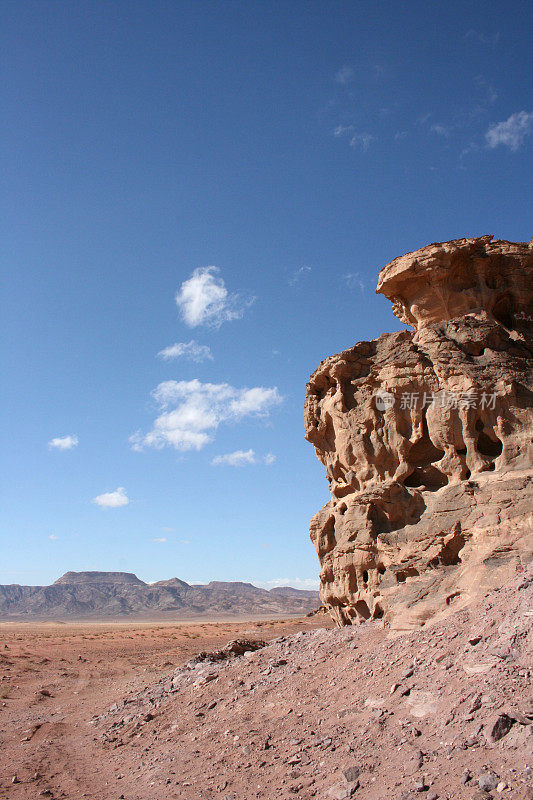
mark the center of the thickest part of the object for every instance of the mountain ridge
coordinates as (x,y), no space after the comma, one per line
(94,595)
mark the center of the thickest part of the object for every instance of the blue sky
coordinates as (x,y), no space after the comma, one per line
(229,178)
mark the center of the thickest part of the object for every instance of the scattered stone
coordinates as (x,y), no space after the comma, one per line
(475,705)
(498,727)
(342,791)
(351,773)
(488,781)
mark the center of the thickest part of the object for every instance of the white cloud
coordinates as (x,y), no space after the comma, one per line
(115,499)
(423,118)
(345,75)
(53,537)
(361,140)
(160,539)
(490,94)
(190,350)
(472,147)
(240,458)
(483,38)
(192,412)
(63,442)
(312,584)
(440,130)
(354,281)
(295,277)
(204,300)
(511,132)
(340,130)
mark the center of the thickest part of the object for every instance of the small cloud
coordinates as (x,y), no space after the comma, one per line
(423,118)
(185,541)
(204,300)
(472,147)
(168,530)
(362,140)
(293,280)
(483,38)
(240,458)
(189,350)
(160,539)
(490,94)
(345,75)
(53,537)
(192,412)
(269,459)
(354,281)
(440,130)
(436,127)
(115,499)
(400,135)
(510,133)
(63,442)
(340,130)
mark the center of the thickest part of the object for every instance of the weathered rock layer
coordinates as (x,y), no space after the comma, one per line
(427,438)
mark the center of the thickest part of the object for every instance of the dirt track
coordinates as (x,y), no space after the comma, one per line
(55,677)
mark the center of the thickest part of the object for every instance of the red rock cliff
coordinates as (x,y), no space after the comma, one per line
(427,438)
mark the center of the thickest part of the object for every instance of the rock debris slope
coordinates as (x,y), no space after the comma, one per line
(427,439)
(443,714)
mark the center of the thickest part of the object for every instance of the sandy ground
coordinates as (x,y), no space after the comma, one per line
(130,712)
(55,677)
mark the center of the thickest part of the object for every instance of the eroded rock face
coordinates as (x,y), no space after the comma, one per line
(427,438)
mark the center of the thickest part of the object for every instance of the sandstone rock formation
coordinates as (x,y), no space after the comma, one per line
(427,438)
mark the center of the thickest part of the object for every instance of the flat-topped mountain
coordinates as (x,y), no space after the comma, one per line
(98,577)
(95,595)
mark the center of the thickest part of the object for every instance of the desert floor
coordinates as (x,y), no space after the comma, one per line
(55,677)
(106,712)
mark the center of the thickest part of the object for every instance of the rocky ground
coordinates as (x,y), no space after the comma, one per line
(54,678)
(443,712)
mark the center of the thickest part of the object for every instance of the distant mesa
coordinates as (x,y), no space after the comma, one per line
(120,595)
(76,578)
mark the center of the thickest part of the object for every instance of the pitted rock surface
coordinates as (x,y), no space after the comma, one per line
(427,439)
